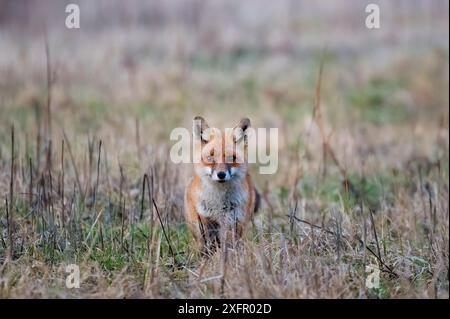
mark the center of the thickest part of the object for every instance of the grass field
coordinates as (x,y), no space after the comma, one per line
(363,177)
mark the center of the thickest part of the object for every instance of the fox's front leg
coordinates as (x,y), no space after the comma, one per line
(206,232)
(233,227)
(214,234)
(210,231)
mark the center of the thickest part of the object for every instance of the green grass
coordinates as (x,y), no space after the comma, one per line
(374,102)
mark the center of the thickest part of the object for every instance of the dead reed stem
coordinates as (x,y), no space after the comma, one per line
(164,231)
(318,117)
(10,207)
(387,268)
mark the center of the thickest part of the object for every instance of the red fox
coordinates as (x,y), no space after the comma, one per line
(220,198)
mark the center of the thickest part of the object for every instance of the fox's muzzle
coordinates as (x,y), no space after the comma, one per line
(221,173)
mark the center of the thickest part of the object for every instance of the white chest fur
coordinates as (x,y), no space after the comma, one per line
(222,201)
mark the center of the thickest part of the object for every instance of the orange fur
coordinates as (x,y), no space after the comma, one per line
(216,208)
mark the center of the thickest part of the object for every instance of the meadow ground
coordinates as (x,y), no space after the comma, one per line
(81,125)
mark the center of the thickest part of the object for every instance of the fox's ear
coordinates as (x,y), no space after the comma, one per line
(240,133)
(200,127)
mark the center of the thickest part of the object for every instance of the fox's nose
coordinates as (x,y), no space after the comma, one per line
(221,175)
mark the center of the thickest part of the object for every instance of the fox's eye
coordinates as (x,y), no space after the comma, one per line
(231,159)
(210,159)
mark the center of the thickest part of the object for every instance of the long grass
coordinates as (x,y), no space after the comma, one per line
(363,177)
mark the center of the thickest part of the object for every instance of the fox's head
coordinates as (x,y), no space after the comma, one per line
(221,154)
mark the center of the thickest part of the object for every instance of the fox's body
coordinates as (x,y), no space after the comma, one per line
(220,198)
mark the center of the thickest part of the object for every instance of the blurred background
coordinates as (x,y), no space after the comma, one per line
(137,69)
